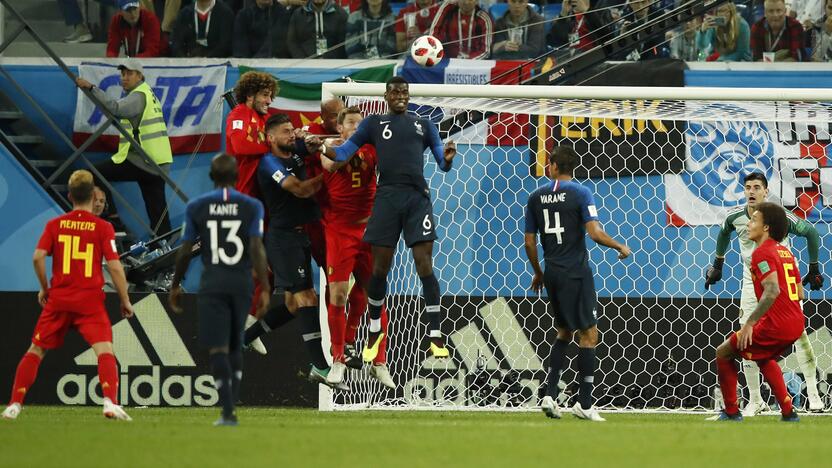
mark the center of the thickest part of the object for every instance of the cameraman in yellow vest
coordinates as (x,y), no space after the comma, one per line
(141,114)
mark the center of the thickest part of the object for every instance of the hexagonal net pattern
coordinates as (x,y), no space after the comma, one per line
(665,175)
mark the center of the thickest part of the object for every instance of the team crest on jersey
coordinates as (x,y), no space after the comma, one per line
(419,129)
(302,272)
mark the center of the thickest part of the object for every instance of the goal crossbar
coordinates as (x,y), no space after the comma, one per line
(688,93)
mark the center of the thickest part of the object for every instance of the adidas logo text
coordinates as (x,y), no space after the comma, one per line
(142,381)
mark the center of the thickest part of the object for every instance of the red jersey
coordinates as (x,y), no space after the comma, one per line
(245,139)
(352,188)
(463,36)
(314,167)
(786,314)
(77,241)
(424,17)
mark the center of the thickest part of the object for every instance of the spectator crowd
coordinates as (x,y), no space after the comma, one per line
(749,30)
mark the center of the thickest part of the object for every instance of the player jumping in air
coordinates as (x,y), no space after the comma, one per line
(402,204)
(776,322)
(76,241)
(756,191)
(562,212)
(229,225)
(351,191)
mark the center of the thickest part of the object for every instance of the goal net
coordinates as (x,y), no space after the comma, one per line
(665,165)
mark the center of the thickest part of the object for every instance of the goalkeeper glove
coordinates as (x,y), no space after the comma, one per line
(814,278)
(714,272)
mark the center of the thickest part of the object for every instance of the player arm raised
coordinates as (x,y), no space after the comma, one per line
(597,234)
(723,240)
(341,154)
(302,188)
(803,228)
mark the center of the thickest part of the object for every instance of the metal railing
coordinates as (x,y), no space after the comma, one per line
(77,152)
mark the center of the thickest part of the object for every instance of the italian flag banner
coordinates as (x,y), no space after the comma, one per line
(302,101)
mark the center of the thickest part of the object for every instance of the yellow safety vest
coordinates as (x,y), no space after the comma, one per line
(153,133)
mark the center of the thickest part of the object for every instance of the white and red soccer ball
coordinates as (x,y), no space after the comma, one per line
(427,51)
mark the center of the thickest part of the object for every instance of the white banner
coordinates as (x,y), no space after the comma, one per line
(720,154)
(191,99)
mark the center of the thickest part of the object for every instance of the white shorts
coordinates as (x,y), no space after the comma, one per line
(748,302)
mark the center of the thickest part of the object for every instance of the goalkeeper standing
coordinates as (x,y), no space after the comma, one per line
(756,192)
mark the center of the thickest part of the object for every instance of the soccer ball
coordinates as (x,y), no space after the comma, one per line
(427,51)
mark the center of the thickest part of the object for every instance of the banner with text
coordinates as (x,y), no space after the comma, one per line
(793,156)
(161,361)
(190,98)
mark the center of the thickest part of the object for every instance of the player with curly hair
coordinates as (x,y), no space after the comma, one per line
(245,139)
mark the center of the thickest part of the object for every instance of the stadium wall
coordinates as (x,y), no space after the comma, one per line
(461,198)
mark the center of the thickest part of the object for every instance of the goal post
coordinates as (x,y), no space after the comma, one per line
(665,165)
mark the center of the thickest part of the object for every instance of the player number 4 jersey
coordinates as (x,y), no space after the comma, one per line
(786,314)
(352,188)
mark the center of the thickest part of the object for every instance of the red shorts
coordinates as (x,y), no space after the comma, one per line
(766,343)
(317,241)
(347,253)
(92,323)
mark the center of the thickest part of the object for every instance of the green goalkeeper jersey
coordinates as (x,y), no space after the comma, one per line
(737,220)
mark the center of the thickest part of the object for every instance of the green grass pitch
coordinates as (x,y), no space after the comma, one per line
(75,436)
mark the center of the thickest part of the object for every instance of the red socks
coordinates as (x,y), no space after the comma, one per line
(774,377)
(27,371)
(337,322)
(727,372)
(357,307)
(108,376)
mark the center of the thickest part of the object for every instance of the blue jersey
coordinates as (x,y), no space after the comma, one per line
(559,212)
(224,220)
(400,141)
(286,210)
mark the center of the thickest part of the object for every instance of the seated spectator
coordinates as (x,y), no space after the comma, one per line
(203,29)
(414,21)
(134,31)
(683,41)
(638,13)
(777,37)
(725,36)
(318,29)
(822,45)
(370,31)
(465,29)
(578,28)
(253,27)
(519,33)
